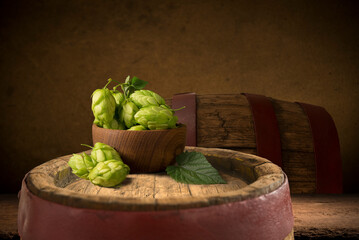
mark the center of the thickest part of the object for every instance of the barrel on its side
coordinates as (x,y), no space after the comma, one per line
(234,121)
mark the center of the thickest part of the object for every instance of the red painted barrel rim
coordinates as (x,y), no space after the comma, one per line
(265,217)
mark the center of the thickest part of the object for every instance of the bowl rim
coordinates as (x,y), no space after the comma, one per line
(179,126)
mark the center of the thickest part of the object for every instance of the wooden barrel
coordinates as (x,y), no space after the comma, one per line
(301,138)
(254,204)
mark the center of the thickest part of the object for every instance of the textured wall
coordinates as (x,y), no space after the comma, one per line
(53,54)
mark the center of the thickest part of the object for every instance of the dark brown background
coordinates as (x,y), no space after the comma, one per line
(53,54)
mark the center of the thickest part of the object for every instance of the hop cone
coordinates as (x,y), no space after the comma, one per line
(103,106)
(137,128)
(154,118)
(109,173)
(118,96)
(114,124)
(143,98)
(102,152)
(127,113)
(81,164)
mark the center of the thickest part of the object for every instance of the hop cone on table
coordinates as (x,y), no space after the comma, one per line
(81,164)
(102,152)
(109,173)
(155,118)
(144,98)
(127,113)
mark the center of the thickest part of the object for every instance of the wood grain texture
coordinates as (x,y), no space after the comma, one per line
(8,215)
(326,216)
(247,176)
(144,151)
(226,121)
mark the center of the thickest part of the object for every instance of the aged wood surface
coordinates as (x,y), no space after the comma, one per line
(8,216)
(326,216)
(225,121)
(247,176)
(315,216)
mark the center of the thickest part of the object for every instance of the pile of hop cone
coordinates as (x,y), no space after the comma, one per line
(132,109)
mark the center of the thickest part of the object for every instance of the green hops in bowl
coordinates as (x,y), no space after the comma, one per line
(103,106)
(155,118)
(144,98)
(115,110)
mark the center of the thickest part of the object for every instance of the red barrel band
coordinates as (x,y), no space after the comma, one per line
(188,115)
(266,128)
(329,177)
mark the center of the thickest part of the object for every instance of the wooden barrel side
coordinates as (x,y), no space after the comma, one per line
(226,121)
(263,177)
(267,217)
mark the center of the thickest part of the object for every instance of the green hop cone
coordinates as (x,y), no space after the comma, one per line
(81,164)
(144,98)
(155,118)
(127,113)
(137,128)
(114,124)
(109,173)
(119,99)
(103,106)
(118,96)
(102,152)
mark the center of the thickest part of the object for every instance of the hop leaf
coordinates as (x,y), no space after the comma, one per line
(193,168)
(109,173)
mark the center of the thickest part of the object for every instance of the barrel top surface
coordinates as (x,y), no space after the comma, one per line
(247,176)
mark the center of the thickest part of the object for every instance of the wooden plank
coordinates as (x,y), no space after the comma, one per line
(326,216)
(294,127)
(8,216)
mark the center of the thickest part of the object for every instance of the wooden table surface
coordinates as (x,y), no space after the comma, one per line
(315,216)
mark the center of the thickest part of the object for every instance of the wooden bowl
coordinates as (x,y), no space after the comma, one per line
(144,151)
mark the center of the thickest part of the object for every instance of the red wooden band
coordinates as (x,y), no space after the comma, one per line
(326,149)
(267,217)
(266,128)
(187,115)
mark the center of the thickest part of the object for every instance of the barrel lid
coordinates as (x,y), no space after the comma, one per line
(248,176)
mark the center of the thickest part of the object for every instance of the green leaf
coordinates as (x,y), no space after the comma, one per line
(193,168)
(137,83)
(127,81)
